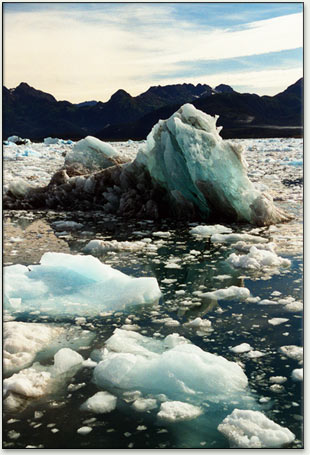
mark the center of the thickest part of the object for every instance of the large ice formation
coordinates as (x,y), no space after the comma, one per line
(172,366)
(93,154)
(184,169)
(76,285)
(186,155)
(253,430)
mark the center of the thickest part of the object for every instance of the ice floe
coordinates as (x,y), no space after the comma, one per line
(77,285)
(257,259)
(253,430)
(207,231)
(292,351)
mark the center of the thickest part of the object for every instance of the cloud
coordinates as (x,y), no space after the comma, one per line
(81,54)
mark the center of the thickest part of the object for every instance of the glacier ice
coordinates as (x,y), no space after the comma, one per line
(253,430)
(186,155)
(76,285)
(93,154)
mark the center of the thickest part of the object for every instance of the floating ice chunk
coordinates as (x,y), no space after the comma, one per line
(199,323)
(186,155)
(232,238)
(277,321)
(161,234)
(254,354)
(232,292)
(28,382)
(171,366)
(253,430)
(23,340)
(39,380)
(65,359)
(257,259)
(100,403)
(175,411)
(75,284)
(292,351)
(93,154)
(207,231)
(241,348)
(298,374)
(102,246)
(144,404)
(294,307)
(84,430)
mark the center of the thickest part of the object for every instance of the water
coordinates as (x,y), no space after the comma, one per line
(233,322)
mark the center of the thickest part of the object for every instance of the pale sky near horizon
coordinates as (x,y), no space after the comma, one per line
(87,51)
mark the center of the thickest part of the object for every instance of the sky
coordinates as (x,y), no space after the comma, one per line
(87,51)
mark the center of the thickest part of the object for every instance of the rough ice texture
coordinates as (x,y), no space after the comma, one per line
(39,380)
(185,169)
(258,259)
(186,155)
(93,154)
(75,284)
(253,430)
(233,292)
(23,340)
(292,351)
(144,404)
(174,411)
(207,231)
(199,323)
(100,403)
(171,366)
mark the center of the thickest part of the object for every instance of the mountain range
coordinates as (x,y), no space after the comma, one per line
(34,114)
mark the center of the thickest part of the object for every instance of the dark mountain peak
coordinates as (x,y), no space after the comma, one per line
(294,89)
(24,90)
(120,95)
(223,88)
(87,103)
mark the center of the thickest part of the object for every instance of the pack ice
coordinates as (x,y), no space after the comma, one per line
(186,155)
(74,284)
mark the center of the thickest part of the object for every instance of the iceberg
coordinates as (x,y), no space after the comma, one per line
(184,169)
(253,430)
(65,284)
(186,155)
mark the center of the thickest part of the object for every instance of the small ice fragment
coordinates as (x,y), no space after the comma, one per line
(198,323)
(84,430)
(174,411)
(232,292)
(100,403)
(292,351)
(241,348)
(254,354)
(277,321)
